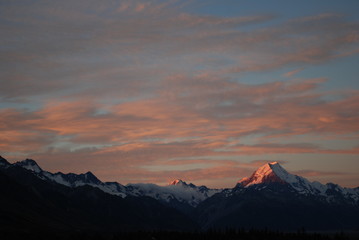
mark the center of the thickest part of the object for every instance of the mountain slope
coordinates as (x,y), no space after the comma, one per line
(177,190)
(72,179)
(178,194)
(273,198)
(34,204)
(275,173)
(270,198)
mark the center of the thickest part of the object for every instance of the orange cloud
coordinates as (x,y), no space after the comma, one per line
(273,110)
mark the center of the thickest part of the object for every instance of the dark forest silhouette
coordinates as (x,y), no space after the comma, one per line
(229,234)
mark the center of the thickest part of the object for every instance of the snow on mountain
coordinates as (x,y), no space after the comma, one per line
(274,173)
(191,194)
(77,180)
(177,189)
(265,174)
(72,179)
(176,182)
(29,164)
(113,188)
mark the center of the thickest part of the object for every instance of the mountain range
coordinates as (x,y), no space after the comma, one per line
(33,198)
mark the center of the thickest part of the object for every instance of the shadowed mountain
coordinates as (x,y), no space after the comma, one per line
(273,198)
(177,194)
(29,203)
(33,199)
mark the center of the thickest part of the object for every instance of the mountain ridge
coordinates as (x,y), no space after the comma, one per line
(267,173)
(32,204)
(274,173)
(271,197)
(271,172)
(177,190)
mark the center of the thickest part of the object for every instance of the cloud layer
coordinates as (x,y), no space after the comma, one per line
(149,91)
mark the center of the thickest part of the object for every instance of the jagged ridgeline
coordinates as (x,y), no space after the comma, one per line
(33,199)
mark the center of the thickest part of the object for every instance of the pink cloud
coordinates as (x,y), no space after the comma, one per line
(292,73)
(275,110)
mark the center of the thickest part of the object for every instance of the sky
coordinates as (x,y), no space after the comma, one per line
(201,90)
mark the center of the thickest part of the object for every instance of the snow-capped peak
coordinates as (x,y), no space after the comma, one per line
(274,173)
(282,173)
(90,177)
(177,182)
(269,172)
(29,164)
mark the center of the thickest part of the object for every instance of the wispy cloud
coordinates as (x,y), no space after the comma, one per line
(311,173)
(141,83)
(292,73)
(150,132)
